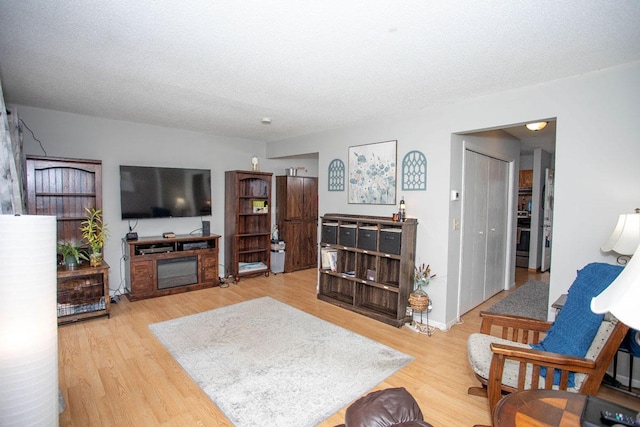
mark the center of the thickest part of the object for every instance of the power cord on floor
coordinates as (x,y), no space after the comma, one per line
(223,282)
(226,281)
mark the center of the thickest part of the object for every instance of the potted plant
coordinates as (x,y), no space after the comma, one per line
(95,232)
(419,299)
(71,254)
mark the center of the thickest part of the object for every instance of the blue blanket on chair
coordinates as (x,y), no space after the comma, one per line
(576,326)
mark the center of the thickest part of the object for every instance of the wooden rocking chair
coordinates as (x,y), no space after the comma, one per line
(513,364)
(505,362)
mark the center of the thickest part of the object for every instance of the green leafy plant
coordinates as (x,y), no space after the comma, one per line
(94,230)
(69,250)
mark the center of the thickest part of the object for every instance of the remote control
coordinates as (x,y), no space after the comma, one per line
(618,418)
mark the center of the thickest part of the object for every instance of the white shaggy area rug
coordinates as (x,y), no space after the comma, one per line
(264,362)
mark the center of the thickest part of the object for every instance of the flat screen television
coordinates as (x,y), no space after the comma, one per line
(158,192)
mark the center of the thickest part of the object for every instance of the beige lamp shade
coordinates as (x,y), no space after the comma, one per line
(626,236)
(622,297)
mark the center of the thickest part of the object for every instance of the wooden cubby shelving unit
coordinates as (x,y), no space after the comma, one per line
(375,261)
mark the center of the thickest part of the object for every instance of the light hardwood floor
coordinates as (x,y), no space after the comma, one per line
(113,372)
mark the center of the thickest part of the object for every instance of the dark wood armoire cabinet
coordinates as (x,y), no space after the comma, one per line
(297,220)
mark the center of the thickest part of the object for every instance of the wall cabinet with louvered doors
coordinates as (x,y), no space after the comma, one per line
(247,224)
(367,265)
(64,187)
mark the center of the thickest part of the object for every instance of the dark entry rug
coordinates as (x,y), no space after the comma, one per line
(529,300)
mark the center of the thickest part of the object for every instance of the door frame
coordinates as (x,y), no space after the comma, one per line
(547,218)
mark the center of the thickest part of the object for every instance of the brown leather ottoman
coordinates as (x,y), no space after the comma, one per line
(392,407)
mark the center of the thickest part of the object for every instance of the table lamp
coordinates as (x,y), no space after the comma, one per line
(625,237)
(622,297)
(28,321)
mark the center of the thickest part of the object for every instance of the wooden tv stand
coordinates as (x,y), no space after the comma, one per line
(158,266)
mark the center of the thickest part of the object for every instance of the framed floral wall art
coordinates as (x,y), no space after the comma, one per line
(372,173)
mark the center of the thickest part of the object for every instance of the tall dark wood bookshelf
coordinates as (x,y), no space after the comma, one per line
(247,226)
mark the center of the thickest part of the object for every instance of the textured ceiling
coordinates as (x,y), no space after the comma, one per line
(221,66)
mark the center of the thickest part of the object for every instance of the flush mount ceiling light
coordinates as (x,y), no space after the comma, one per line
(536,126)
(266,121)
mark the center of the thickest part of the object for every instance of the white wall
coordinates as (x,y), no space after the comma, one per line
(118,142)
(597,176)
(597,151)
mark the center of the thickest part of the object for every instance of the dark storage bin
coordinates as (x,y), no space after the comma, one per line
(390,239)
(368,238)
(329,233)
(348,235)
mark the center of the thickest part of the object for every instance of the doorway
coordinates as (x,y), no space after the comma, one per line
(535,196)
(507,144)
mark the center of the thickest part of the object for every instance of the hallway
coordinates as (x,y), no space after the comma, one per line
(523,275)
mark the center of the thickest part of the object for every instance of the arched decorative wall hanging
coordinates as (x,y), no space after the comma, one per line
(414,171)
(336,175)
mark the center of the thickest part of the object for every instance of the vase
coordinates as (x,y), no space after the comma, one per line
(421,284)
(420,302)
(419,299)
(70,262)
(95,259)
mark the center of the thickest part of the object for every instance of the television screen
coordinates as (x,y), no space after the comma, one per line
(154,192)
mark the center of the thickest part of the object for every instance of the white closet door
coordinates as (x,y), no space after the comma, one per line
(484,230)
(497,196)
(474,225)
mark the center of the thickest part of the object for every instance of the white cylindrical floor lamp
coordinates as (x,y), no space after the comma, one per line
(28,321)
